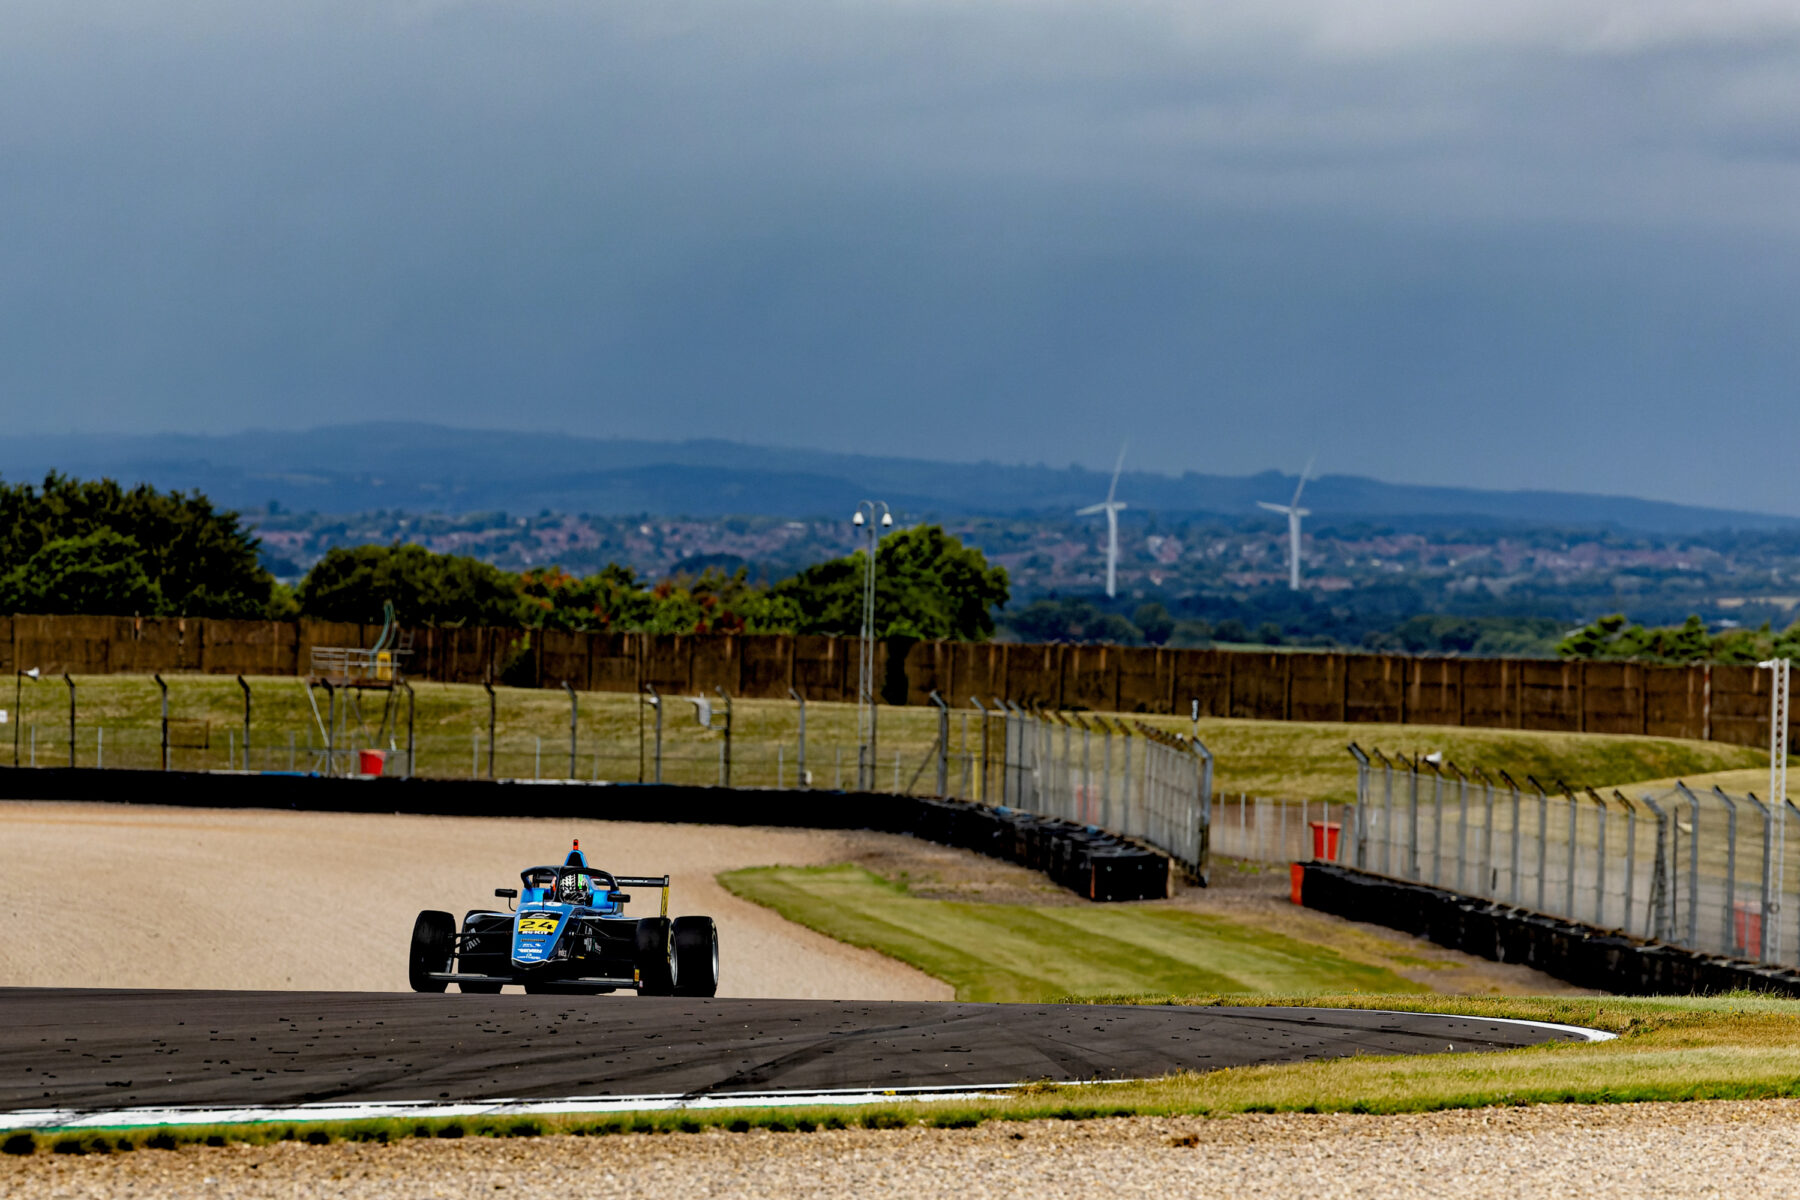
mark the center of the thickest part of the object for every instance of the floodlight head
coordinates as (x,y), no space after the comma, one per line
(858,518)
(887,520)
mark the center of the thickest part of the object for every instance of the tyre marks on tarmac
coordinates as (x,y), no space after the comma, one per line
(86,1049)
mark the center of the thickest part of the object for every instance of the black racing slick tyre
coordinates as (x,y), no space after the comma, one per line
(696,956)
(433,948)
(654,957)
(482,955)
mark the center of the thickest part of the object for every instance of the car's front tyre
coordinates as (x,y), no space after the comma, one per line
(696,956)
(433,949)
(484,953)
(654,957)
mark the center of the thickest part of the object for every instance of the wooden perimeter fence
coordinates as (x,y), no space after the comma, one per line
(1717,703)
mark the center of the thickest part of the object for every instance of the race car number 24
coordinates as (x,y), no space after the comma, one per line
(537,925)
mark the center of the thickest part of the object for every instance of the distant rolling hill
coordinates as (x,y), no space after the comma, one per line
(419,467)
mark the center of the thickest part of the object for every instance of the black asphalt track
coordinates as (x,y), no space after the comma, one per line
(109,1049)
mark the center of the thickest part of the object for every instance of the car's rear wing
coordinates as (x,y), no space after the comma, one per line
(655,881)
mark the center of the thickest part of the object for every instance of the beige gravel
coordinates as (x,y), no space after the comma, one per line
(268,899)
(1627,1151)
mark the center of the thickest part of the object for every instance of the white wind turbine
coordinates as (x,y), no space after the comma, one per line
(1111,508)
(1294,513)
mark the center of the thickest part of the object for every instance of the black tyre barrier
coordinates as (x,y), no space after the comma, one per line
(1586,955)
(1088,861)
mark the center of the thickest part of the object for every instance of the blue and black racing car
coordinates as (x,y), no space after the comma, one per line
(570,934)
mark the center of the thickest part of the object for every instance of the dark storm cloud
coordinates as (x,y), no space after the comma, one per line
(1544,245)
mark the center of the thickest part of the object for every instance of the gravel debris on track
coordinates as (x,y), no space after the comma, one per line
(1716,1149)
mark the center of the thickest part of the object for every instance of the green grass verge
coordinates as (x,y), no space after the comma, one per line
(1012,952)
(1704,1048)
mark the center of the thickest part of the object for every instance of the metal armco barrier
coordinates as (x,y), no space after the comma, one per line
(1581,953)
(1682,866)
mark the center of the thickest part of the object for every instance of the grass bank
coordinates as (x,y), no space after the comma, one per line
(1286,760)
(1731,1047)
(1026,953)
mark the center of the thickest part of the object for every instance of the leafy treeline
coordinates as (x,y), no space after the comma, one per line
(1081,620)
(927,585)
(1613,637)
(72,546)
(97,548)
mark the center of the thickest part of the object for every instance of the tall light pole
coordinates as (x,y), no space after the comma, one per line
(871,515)
(19,678)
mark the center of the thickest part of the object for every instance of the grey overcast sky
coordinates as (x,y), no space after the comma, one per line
(1505,244)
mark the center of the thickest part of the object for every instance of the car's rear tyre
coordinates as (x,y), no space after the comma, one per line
(482,954)
(654,957)
(696,956)
(433,948)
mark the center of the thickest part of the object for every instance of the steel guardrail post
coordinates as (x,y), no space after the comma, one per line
(800,762)
(1569,883)
(1728,918)
(1600,884)
(726,745)
(982,790)
(71,684)
(412,704)
(1693,863)
(1362,802)
(1630,854)
(943,772)
(493,719)
(574,724)
(1762,939)
(246,690)
(1543,855)
(164,688)
(1513,787)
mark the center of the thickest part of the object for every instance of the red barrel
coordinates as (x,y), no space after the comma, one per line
(1325,839)
(371,761)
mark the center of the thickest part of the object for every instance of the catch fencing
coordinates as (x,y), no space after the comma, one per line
(1119,775)
(1699,868)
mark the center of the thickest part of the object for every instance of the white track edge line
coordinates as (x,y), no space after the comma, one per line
(70,1118)
(1580,1031)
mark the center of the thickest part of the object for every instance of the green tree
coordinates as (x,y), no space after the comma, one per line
(1613,637)
(197,559)
(1154,621)
(351,584)
(927,585)
(101,573)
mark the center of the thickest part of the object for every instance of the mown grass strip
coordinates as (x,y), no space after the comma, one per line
(1007,952)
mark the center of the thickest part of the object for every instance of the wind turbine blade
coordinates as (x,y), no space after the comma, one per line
(1272,507)
(1304,476)
(1090,510)
(1117,467)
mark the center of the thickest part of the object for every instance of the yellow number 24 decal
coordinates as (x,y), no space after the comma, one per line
(538,925)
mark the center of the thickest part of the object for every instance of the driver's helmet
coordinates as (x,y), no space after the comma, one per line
(574,889)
